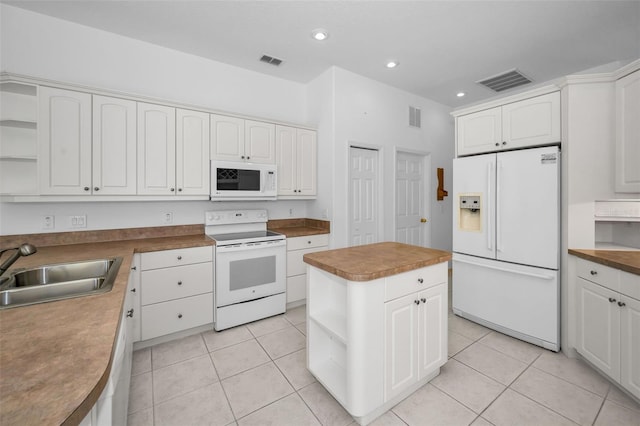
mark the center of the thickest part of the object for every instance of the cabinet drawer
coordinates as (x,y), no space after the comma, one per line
(630,284)
(177,257)
(295,264)
(298,243)
(296,288)
(176,315)
(416,280)
(599,274)
(160,285)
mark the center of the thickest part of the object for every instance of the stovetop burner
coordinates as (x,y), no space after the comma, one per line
(248,236)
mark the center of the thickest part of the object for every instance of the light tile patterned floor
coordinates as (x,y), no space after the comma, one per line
(256,375)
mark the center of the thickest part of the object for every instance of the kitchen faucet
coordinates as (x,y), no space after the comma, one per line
(25,249)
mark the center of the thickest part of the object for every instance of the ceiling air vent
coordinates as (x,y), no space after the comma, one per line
(271,60)
(415,115)
(506,80)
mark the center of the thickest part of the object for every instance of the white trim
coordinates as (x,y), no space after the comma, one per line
(506,100)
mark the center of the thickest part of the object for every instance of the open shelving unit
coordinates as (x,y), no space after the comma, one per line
(18,138)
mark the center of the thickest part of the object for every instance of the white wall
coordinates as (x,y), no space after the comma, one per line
(370,113)
(45,47)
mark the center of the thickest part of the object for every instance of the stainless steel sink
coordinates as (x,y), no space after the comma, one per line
(59,281)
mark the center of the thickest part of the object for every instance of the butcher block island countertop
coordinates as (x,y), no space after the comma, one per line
(625,260)
(55,357)
(372,261)
(376,323)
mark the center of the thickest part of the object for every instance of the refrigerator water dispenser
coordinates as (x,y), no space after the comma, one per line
(469,215)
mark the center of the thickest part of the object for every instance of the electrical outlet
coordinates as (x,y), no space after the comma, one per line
(48,221)
(167,218)
(290,212)
(78,221)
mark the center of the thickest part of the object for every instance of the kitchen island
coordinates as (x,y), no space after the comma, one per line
(376,323)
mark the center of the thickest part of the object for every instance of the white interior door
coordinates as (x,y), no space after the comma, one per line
(363,196)
(412,226)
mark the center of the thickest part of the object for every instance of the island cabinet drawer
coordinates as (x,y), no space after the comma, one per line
(160,285)
(310,241)
(176,257)
(599,274)
(419,279)
(176,315)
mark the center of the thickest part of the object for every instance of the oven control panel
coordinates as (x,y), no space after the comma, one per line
(230,217)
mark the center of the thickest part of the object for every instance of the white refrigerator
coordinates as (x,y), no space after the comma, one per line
(506,239)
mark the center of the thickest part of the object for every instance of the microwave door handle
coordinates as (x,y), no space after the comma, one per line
(263,181)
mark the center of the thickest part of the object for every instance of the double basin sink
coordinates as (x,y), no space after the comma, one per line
(60,281)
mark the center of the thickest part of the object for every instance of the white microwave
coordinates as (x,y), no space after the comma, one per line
(232,180)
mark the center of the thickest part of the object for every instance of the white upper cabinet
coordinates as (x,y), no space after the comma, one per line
(297,162)
(156,149)
(114,146)
(627,164)
(192,152)
(64,142)
(236,139)
(530,122)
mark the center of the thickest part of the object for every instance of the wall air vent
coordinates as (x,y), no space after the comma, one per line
(506,80)
(415,116)
(271,60)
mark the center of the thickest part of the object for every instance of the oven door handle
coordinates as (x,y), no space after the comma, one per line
(250,246)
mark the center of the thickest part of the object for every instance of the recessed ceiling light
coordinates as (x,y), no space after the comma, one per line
(460,94)
(320,34)
(392,64)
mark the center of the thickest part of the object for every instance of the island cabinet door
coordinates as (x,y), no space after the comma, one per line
(432,329)
(401,344)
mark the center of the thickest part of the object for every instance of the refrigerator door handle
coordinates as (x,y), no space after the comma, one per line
(512,271)
(488,203)
(498,229)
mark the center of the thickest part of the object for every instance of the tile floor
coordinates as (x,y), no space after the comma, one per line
(255,375)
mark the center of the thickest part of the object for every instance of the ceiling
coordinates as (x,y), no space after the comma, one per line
(443,47)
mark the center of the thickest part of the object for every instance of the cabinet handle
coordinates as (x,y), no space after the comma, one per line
(130,313)
(308,242)
(86,188)
(417,302)
(248,157)
(504,142)
(179,257)
(612,300)
(622,304)
(173,189)
(593,272)
(96,189)
(242,157)
(179,189)
(134,268)
(179,315)
(424,300)
(179,282)
(133,290)
(497,144)
(420,280)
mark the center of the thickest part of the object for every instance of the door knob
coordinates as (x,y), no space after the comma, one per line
(423,220)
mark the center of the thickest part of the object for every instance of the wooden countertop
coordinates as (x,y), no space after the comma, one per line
(55,357)
(299,227)
(626,260)
(373,261)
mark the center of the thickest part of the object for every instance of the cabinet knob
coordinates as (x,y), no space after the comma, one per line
(179,282)
(248,157)
(179,257)
(621,304)
(86,188)
(179,189)
(497,144)
(179,315)
(130,313)
(420,280)
(173,189)
(308,242)
(612,300)
(96,188)
(424,300)
(417,302)
(133,290)
(504,142)
(242,157)
(593,272)
(134,268)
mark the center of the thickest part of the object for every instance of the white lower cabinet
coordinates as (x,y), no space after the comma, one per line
(177,290)
(372,343)
(608,322)
(297,247)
